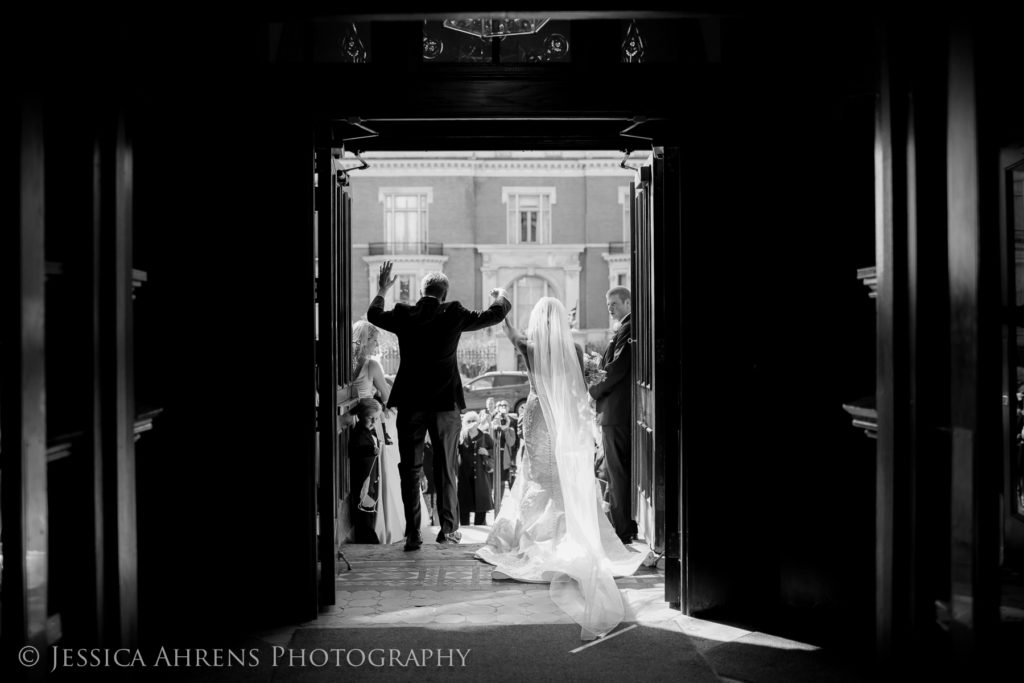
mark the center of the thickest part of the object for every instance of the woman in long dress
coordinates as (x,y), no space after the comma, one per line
(369,382)
(551,527)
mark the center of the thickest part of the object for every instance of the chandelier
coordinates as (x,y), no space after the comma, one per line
(496,28)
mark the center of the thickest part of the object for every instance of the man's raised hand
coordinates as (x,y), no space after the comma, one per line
(385,280)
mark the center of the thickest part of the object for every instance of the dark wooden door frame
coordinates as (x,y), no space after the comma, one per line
(642,503)
(668,319)
(100,267)
(661,204)
(909,457)
(657,422)
(117,384)
(24,495)
(1011,160)
(976,363)
(892,535)
(328,361)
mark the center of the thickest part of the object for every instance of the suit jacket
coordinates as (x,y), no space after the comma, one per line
(615,394)
(362,443)
(428,339)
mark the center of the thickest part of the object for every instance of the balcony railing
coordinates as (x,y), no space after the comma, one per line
(618,247)
(406,248)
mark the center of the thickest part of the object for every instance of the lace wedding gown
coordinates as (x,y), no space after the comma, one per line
(390,523)
(533,512)
(543,535)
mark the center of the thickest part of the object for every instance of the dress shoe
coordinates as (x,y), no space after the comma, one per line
(451,537)
(413,542)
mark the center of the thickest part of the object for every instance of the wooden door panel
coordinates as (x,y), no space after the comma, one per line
(330,213)
(656,399)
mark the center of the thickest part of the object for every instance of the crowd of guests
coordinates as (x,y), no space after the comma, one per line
(489,436)
(489,439)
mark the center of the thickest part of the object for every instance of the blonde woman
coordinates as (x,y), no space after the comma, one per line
(369,383)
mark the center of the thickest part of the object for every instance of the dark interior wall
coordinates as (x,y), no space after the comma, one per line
(821,335)
(223,229)
(780,203)
(778,214)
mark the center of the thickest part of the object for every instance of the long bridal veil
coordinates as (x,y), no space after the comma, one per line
(587,559)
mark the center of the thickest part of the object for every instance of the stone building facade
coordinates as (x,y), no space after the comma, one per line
(536,223)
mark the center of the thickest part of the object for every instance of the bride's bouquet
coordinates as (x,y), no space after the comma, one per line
(592,372)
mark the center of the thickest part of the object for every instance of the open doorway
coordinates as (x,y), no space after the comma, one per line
(551,223)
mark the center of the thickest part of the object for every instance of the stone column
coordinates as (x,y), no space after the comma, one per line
(572,290)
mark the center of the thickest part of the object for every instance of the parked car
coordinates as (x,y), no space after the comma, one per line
(512,386)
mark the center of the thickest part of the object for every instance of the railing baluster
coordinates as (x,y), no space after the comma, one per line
(405,248)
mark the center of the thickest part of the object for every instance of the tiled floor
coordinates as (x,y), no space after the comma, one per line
(445,586)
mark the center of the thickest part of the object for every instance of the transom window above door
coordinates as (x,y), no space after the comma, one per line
(625,201)
(405,216)
(528,211)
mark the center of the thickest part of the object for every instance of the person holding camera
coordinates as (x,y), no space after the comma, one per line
(504,432)
(476,466)
(485,416)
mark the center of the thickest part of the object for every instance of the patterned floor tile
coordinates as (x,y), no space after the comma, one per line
(446,587)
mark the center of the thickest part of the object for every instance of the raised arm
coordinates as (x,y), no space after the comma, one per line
(376,373)
(376,313)
(498,311)
(514,335)
(517,338)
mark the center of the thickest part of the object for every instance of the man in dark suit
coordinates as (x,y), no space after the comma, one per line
(428,390)
(615,413)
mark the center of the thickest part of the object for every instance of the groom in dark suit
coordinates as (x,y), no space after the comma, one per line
(428,390)
(614,398)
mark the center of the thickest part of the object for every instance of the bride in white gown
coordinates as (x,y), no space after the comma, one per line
(369,380)
(551,527)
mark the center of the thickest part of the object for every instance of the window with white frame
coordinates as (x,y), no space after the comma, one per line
(624,200)
(526,292)
(403,288)
(528,211)
(405,216)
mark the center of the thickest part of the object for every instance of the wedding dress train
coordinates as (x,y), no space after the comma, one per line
(551,527)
